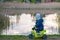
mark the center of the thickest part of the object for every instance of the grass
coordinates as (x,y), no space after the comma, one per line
(55,35)
(21,37)
(13,37)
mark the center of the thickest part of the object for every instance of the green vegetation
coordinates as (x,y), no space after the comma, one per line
(4,22)
(22,37)
(19,0)
(6,0)
(11,0)
(53,35)
(13,37)
(57,0)
(32,1)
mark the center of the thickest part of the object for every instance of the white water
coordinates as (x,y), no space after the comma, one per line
(51,24)
(23,27)
(25,24)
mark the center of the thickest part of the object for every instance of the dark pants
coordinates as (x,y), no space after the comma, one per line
(38,30)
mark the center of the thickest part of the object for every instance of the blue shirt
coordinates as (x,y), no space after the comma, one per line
(39,24)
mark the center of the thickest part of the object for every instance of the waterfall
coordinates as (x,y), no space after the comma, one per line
(21,26)
(51,24)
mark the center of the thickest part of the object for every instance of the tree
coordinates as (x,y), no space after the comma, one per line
(33,1)
(19,0)
(57,0)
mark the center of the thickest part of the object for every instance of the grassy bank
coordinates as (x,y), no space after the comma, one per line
(13,37)
(22,37)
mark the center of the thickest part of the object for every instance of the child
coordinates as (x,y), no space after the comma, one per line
(39,23)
